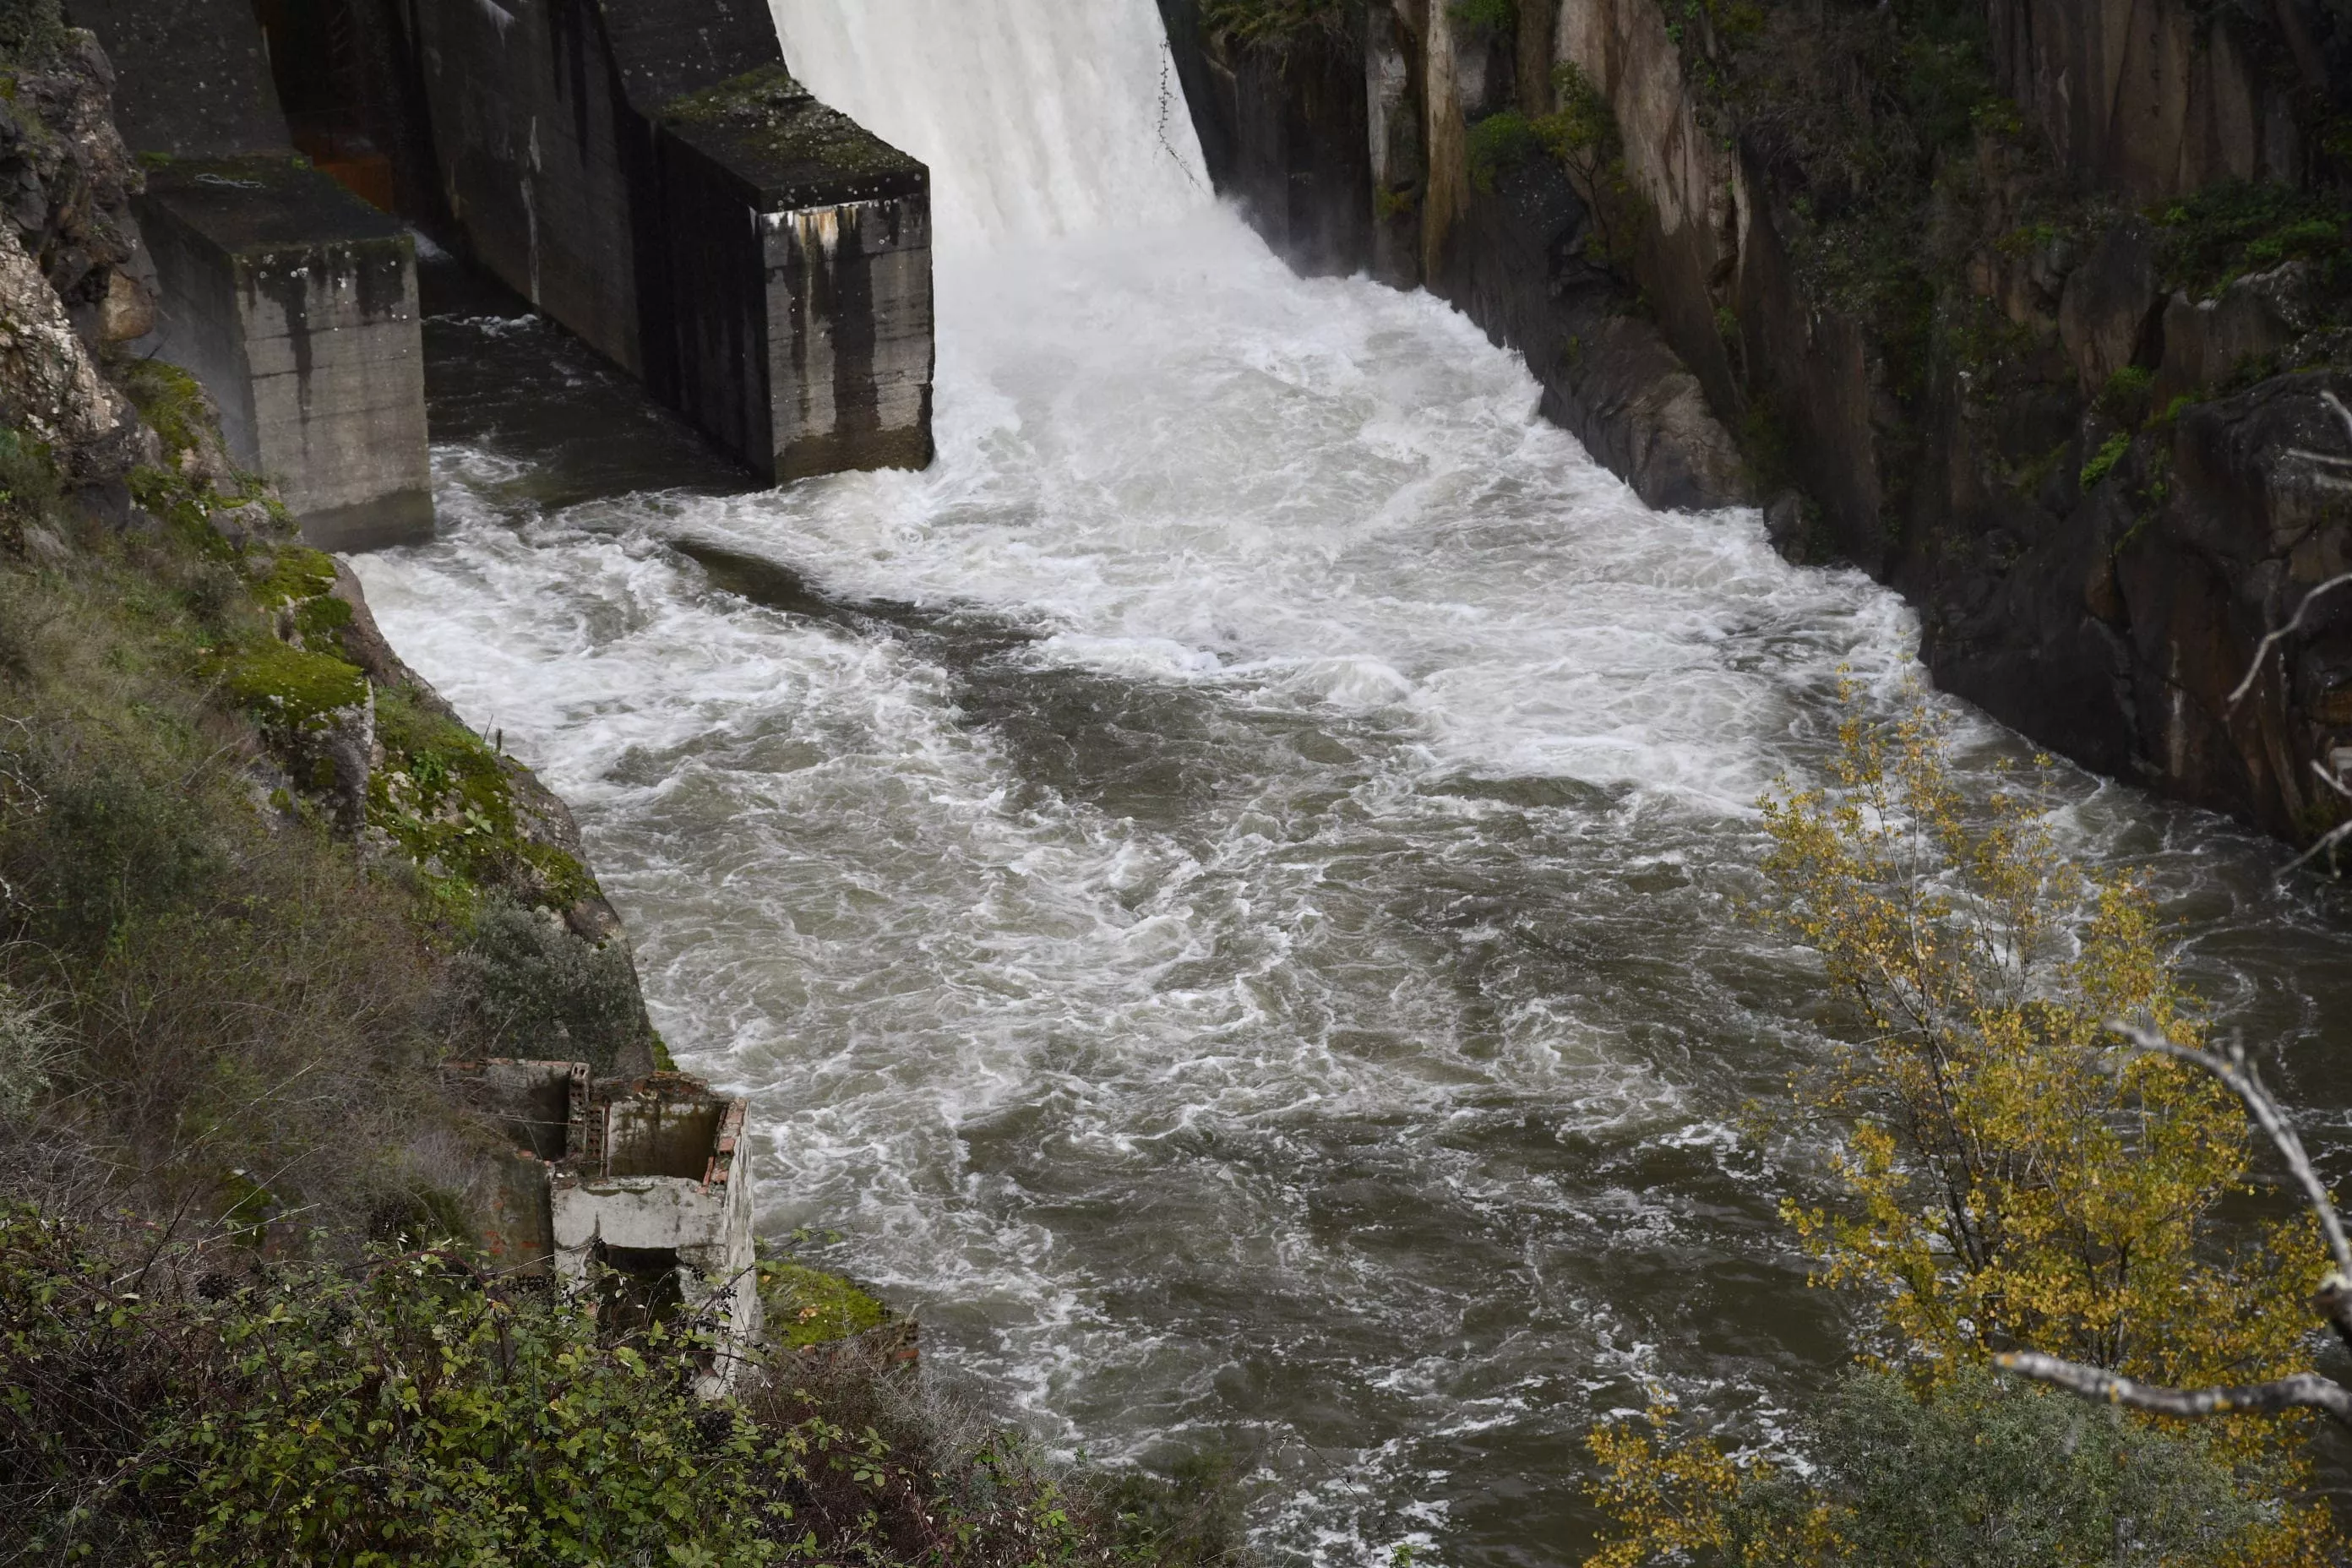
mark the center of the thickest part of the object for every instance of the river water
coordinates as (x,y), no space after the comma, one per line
(1223,892)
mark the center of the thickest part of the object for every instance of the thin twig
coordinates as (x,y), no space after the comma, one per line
(2342,413)
(2326,845)
(2304,1390)
(2263,652)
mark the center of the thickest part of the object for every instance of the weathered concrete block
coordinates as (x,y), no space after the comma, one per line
(648,174)
(817,343)
(290,299)
(645,1180)
(295,303)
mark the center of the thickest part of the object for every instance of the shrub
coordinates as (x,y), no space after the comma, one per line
(2001,1181)
(408,1411)
(1983,1473)
(523,985)
(30,1043)
(1493,18)
(30,31)
(2124,398)
(194,1406)
(1499,143)
(2207,239)
(1583,134)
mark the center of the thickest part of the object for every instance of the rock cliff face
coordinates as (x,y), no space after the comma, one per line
(2034,309)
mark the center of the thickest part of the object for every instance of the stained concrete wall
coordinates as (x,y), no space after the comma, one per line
(295,305)
(815,342)
(192,77)
(646,173)
(652,1171)
(292,299)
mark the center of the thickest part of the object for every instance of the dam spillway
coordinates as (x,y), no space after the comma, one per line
(1224,891)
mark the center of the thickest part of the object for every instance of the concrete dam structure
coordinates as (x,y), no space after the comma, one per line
(650,175)
(293,300)
(647,172)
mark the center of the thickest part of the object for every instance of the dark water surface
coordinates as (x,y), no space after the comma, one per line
(1224,891)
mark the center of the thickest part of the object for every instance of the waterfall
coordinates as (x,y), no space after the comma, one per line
(1038,117)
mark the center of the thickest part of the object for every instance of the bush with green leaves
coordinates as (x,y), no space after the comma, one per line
(409,1412)
(1980,1473)
(205,1407)
(524,985)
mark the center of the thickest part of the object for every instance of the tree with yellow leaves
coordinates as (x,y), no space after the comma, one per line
(2005,1178)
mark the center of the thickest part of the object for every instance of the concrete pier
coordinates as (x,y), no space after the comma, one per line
(647,172)
(290,299)
(295,305)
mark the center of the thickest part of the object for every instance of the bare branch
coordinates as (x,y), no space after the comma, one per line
(2238,1075)
(2342,413)
(2293,625)
(2304,1390)
(2324,845)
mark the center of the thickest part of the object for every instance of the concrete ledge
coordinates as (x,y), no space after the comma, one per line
(295,303)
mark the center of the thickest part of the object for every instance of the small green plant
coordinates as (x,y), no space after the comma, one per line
(2124,398)
(2104,460)
(170,399)
(1499,143)
(1583,134)
(1492,18)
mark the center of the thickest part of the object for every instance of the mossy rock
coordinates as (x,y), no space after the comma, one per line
(297,573)
(169,399)
(446,798)
(286,685)
(808,1306)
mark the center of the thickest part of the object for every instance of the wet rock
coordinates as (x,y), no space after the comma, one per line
(2209,343)
(67,182)
(2108,309)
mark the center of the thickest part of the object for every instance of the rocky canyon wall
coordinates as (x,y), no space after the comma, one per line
(2036,309)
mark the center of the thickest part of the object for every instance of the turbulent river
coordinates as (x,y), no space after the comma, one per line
(1224,891)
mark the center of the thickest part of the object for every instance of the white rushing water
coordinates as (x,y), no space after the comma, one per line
(1227,903)
(1039,117)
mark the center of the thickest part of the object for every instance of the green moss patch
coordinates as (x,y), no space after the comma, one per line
(169,399)
(297,573)
(448,800)
(283,684)
(807,1307)
(769,115)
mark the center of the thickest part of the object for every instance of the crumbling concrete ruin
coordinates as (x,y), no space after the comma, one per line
(637,1189)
